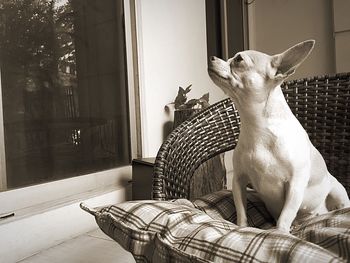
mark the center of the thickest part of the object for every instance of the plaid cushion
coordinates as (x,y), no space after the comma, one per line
(182,231)
(220,205)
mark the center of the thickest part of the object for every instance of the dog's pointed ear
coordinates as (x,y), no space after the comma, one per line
(286,62)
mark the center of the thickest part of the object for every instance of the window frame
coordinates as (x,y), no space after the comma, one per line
(29,196)
(226,19)
(3,180)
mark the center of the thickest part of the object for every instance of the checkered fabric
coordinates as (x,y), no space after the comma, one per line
(203,231)
(220,205)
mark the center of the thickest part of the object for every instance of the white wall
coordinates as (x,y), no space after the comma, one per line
(341,10)
(172,53)
(276,25)
(172,49)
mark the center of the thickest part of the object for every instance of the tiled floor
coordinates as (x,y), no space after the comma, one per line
(92,247)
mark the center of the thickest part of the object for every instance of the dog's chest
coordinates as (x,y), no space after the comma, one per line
(265,167)
(265,154)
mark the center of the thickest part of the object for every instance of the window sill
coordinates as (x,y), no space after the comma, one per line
(39,227)
(18,200)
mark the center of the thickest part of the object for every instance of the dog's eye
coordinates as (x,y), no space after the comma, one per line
(238,58)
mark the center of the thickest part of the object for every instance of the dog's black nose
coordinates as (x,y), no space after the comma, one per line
(212,58)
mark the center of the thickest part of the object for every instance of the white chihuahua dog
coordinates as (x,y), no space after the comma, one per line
(274,152)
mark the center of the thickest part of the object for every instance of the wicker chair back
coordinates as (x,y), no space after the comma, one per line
(321,104)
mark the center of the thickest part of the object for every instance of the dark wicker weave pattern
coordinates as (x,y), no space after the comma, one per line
(321,104)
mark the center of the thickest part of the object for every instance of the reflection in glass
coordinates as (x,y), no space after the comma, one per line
(64,91)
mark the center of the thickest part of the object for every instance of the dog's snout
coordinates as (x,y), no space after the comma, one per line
(212,58)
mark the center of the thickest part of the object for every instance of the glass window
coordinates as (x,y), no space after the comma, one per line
(226,24)
(64,89)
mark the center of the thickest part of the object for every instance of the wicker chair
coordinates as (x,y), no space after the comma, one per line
(321,104)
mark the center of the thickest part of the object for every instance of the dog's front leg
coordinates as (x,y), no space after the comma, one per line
(294,195)
(239,189)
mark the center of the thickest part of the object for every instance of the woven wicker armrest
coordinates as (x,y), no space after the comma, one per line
(321,104)
(208,133)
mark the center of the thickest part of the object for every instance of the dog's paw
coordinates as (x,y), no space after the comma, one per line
(283,228)
(242,223)
(337,205)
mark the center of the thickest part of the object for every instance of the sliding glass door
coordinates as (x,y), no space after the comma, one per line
(64,95)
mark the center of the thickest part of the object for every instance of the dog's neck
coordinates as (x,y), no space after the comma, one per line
(274,107)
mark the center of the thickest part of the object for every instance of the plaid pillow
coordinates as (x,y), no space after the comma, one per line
(220,205)
(182,231)
(138,225)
